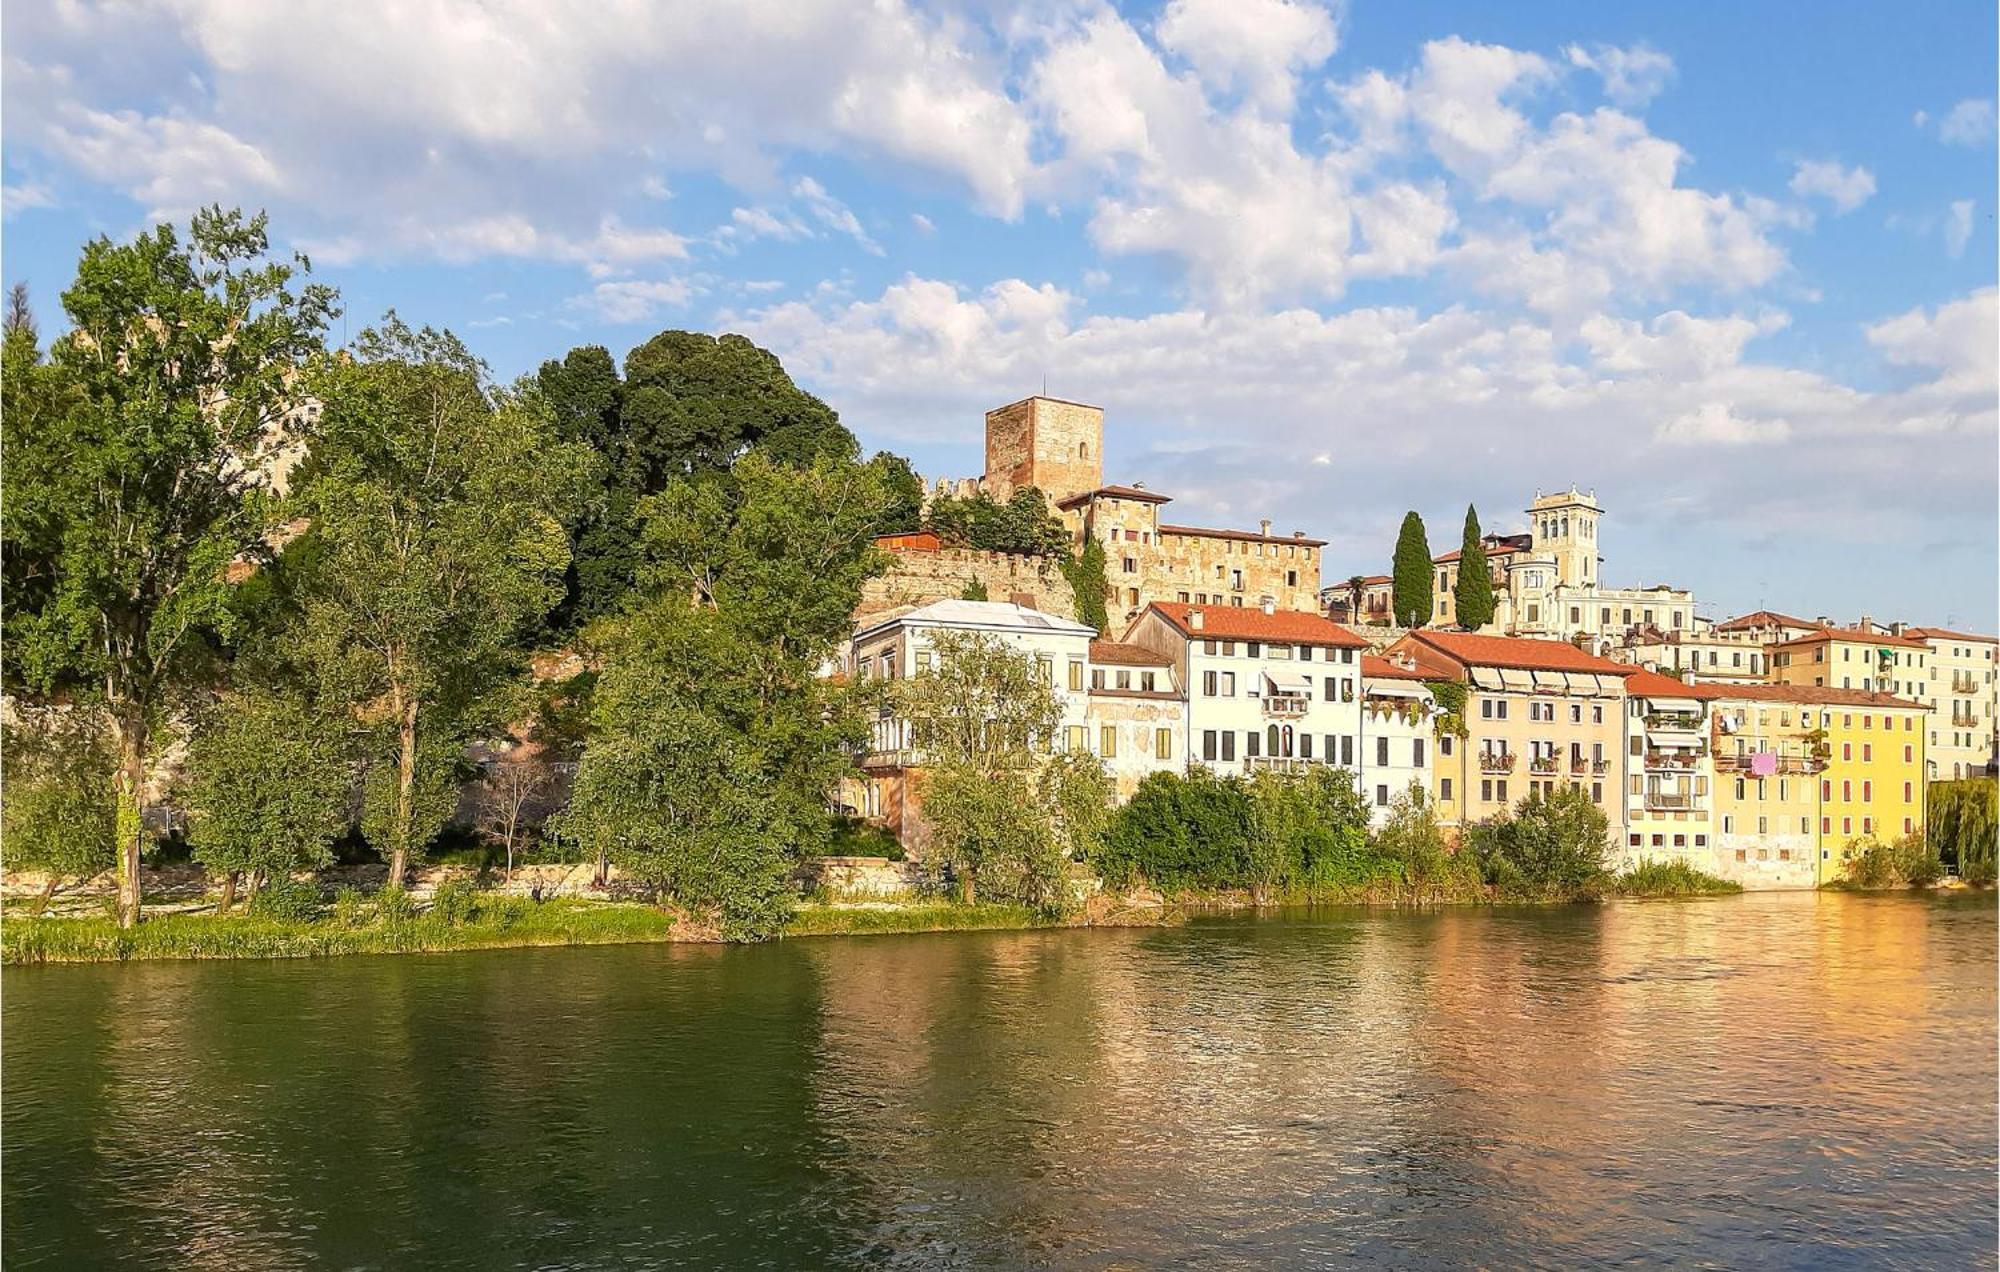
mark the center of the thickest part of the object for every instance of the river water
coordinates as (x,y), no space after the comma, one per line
(1795,1080)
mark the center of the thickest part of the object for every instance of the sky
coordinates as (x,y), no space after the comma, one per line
(1732,267)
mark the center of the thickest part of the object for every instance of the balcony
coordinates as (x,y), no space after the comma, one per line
(1578,766)
(1673,721)
(1673,761)
(1545,764)
(1279,763)
(1674,801)
(1961,682)
(1964,720)
(1496,761)
(1286,706)
(1788,765)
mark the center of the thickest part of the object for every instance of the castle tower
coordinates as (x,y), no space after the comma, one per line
(1044,442)
(1564,526)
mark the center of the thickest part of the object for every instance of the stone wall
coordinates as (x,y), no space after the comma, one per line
(918,578)
(1044,442)
(866,876)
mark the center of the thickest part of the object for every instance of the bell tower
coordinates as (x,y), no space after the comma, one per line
(1564,527)
(1047,443)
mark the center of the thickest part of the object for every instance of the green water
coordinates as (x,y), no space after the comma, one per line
(1794,1080)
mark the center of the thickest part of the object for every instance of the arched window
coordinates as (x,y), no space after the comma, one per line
(1288,740)
(1083,450)
(1271,736)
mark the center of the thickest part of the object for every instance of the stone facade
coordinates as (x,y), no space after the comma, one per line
(1146,560)
(1053,445)
(919,575)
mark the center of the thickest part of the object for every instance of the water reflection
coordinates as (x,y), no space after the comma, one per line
(1795,1079)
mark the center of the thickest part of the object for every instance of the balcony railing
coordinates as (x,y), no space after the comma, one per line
(1279,763)
(1289,705)
(1673,760)
(1678,721)
(1544,764)
(1673,802)
(1496,761)
(1578,765)
(1787,765)
(1962,683)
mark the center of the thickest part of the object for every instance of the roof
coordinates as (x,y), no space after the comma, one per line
(1118,653)
(1377,668)
(1492,550)
(1853,636)
(1651,684)
(1139,493)
(1248,536)
(1244,622)
(1517,652)
(986,614)
(1764,618)
(1945,633)
(915,541)
(1819,695)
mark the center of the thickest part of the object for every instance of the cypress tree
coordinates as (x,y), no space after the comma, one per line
(1411,589)
(1473,594)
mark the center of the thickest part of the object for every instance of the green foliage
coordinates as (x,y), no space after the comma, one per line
(1964,825)
(903,508)
(1308,830)
(973,590)
(1182,832)
(455,902)
(132,473)
(350,907)
(1411,591)
(1023,525)
(932,916)
(998,841)
(394,904)
(1907,862)
(1449,696)
(853,837)
(283,897)
(1671,879)
(1420,867)
(1087,578)
(268,786)
(1551,847)
(1077,791)
(60,814)
(1472,594)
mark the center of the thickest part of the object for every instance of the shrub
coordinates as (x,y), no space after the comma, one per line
(1670,879)
(853,837)
(394,904)
(1908,861)
(1418,863)
(455,902)
(1182,831)
(350,907)
(1551,847)
(1310,830)
(286,898)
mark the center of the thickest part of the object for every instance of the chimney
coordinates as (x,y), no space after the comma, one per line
(1194,619)
(1298,534)
(1898,627)
(1269,605)
(1824,621)
(1867,623)
(1264,527)
(1138,485)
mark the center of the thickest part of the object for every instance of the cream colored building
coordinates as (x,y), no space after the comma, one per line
(1960,690)
(1137,714)
(1670,773)
(1702,654)
(1147,560)
(1397,723)
(1870,660)
(1770,749)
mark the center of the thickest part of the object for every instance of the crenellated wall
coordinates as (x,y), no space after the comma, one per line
(919,577)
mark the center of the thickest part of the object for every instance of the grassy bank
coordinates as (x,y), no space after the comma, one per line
(1670,879)
(914,916)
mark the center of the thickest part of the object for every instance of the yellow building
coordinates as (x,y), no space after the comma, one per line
(1853,658)
(1864,751)
(1768,761)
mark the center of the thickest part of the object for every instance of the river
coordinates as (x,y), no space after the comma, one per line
(1779,1080)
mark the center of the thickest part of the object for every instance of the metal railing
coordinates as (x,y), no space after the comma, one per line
(1279,763)
(1286,705)
(1496,761)
(1673,760)
(1544,764)
(1671,802)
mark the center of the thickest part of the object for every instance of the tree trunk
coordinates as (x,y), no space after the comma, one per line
(48,893)
(406,785)
(255,881)
(130,784)
(965,886)
(228,897)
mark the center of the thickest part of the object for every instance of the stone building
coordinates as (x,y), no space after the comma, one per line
(1055,446)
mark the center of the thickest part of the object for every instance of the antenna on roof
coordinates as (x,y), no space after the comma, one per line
(1045,384)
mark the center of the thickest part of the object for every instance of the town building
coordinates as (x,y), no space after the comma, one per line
(1265,688)
(1670,772)
(1768,627)
(1702,654)
(1148,560)
(1865,658)
(1538,714)
(1398,719)
(1963,698)
(1769,754)
(1136,714)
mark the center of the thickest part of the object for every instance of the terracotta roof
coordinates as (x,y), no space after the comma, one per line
(916,541)
(1815,694)
(1853,636)
(1247,622)
(1517,652)
(1139,493)
(1945,633)
(1248,536)
(1651,684)
(1446,558)
(1764,618)
(1377,668)
(1118,653)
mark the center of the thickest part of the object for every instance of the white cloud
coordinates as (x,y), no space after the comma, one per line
(1970,123)
(833,214)
(1255,47)
(1958,227)
(1632,76)
(1845,188)
(923,224)
(19,196)
(1714,424)
(634,301)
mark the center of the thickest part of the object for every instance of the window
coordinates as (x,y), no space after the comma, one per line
(1332,691)
(1381,797)
(1728,824)
(1486,789)
(1305,746)
(1075,670)
(1107,740)
(1208,683)
(1229,745)
(1846,792)
(1826,825)
(1444,745)
(1097,677)
(1486,708)
(1163,743)
(1500,790)
(1576,713)
(1906,792)
(1252,741)
(1867,751)
(1208,647)
(1417,753)
(1253,649)
(1867,825)
(1659,841)
(1146,681)
(1229,684)
(1444,790)
(1347,749)
(1909,754)
(1077,737)
(1868,792)
(1382,752)
(1131,565)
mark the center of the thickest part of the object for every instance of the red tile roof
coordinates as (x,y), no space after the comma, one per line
(1763,618)
(1118,653)
(1814,694)
(1854,636)
(1247,536)
(1245,622)
(1516,652)
(1376,668)
(1651,684)
(1945,633)
(1139,493)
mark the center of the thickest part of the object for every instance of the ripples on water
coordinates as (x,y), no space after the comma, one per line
(1794,1080)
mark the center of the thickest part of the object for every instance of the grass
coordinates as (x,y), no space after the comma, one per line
(920,916)
(496,922)
(1670,879)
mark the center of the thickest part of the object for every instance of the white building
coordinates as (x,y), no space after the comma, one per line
(1964,699)
(1265,688)
(1396,741)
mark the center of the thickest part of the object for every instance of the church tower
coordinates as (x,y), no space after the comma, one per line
(1044,442)
(1564,527)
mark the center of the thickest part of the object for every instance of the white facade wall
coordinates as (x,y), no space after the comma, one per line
(1397,748)
(1237,699)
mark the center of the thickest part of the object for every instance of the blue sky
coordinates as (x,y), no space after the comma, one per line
(1731,266)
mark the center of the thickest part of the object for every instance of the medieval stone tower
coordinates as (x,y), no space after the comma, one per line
(1564,526)
(1044,442)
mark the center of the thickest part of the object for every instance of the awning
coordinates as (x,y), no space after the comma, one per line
(1288,681)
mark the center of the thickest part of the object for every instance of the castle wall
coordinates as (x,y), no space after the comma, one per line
(1043,442)
(919,577)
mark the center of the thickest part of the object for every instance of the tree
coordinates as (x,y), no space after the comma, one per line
(438,542)
(20,318)
(1023,525)
(1552,845)
(1412,845)
(1472,595)
(1088,581)
(268,789)
(135,461)
(1181,831)
(1356,586)
(1308,829)
(980,719)
(60,815)
(1410,592)
(904,511)
(716,743)
(1963,823)
(974,590)
(1077,790)
(510,790)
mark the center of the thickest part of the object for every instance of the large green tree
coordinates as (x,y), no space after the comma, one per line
(438,541)
(134,454)
(60,815)
(716,743)
(1472,595)
(1411,589)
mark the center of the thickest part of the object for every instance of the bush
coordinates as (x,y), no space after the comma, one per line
(1309,830)
(1908,861)
(394,904)
(1552,847)
(350,907)
(1415,859)
(1670,879)
(286,898)
(1181,832)
(455,902)
(853,837)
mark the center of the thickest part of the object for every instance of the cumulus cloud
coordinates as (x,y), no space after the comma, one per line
(1714,424)
(1970,123)
(634,300)
(1632,76)
(1257,47)
(1845,188)
(1958,227)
